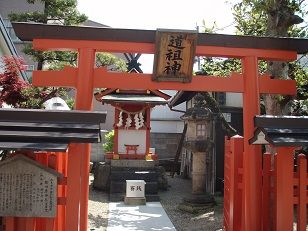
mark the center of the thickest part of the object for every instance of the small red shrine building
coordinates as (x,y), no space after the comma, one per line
(132,121)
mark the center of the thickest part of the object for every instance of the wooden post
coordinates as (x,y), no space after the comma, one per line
(227,185)
(9,223)
(284,189)
(84,97)
(73,188)
(116,131)
(252,154)
(302,186)
(266,192)
(148,129)
(236,163)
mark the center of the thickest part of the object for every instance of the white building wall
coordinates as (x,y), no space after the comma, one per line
(234,99)
(163,120)
(133,137)
(167,126)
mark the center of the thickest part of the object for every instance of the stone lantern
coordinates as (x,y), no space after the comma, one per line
(199,140)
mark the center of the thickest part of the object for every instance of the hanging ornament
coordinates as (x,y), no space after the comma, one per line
(136,120)
(120,123)
(141,119)
(128,121)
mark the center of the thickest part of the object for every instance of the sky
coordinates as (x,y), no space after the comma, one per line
(154,14)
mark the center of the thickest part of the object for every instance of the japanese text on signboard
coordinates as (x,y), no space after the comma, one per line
(174,56)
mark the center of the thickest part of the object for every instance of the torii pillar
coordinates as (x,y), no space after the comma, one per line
(86,77)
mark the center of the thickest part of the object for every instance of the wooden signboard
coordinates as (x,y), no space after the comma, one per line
(27,189)
(174,55)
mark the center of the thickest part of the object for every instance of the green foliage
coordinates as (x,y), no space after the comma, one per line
(252,18)
(55,11)
(108,145)
(58,12)
(70,103)
(107,59)
(220,66)
(249,19)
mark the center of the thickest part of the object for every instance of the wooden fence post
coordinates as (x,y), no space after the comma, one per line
(233,183)
(266,191)
(227,185)
(236,182)
(284,163)
(302,188)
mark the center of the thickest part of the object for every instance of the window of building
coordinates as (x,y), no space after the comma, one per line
(10,30)
(201,130)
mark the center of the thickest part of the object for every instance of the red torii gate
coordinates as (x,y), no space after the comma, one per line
(87,41)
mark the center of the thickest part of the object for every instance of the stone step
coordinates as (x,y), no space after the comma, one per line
(117,197)
(120,187)
(147,176)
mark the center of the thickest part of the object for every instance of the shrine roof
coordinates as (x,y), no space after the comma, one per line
(25,129)
(181,97)
(30,31)
(130,98)
(281,130)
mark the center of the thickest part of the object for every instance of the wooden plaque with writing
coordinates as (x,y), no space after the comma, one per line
(174,55)
(28,189)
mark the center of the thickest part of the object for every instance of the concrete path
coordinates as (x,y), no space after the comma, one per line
(147,217)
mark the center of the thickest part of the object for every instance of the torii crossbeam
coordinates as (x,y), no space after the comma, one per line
(86,41)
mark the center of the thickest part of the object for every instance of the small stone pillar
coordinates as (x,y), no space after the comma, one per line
(198,172)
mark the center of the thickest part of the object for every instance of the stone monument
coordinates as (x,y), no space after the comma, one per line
(199,140)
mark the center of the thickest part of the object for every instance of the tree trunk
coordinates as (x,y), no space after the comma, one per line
(280,18)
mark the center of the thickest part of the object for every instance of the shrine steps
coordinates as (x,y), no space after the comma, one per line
(118,177)
(116,197)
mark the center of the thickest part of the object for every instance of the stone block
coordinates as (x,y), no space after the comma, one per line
(134,200)
(133,163)
(101,176)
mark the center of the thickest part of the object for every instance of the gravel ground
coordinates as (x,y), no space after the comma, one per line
(210,220)
(98,209)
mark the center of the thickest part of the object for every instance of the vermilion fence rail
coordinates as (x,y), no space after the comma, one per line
(284,189)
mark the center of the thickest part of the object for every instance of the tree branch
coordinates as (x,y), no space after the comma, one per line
(214,106)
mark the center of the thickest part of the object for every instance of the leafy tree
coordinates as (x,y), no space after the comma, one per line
(62,12)
(12,85)
(58,12)
(55,11)
(275,18)
(109,141)
(18,93)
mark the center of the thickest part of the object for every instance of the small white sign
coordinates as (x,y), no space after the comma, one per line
(135,188)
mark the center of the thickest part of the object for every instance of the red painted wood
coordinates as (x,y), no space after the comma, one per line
(148,130)
(266,192)
(227,175)
(116,131)
(73,187)
(148,48)
(236,162)
(284,189)
(302,193)
(128,81)
(252,154)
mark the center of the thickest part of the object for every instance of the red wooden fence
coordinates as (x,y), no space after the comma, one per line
(284,189)
(233,178)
